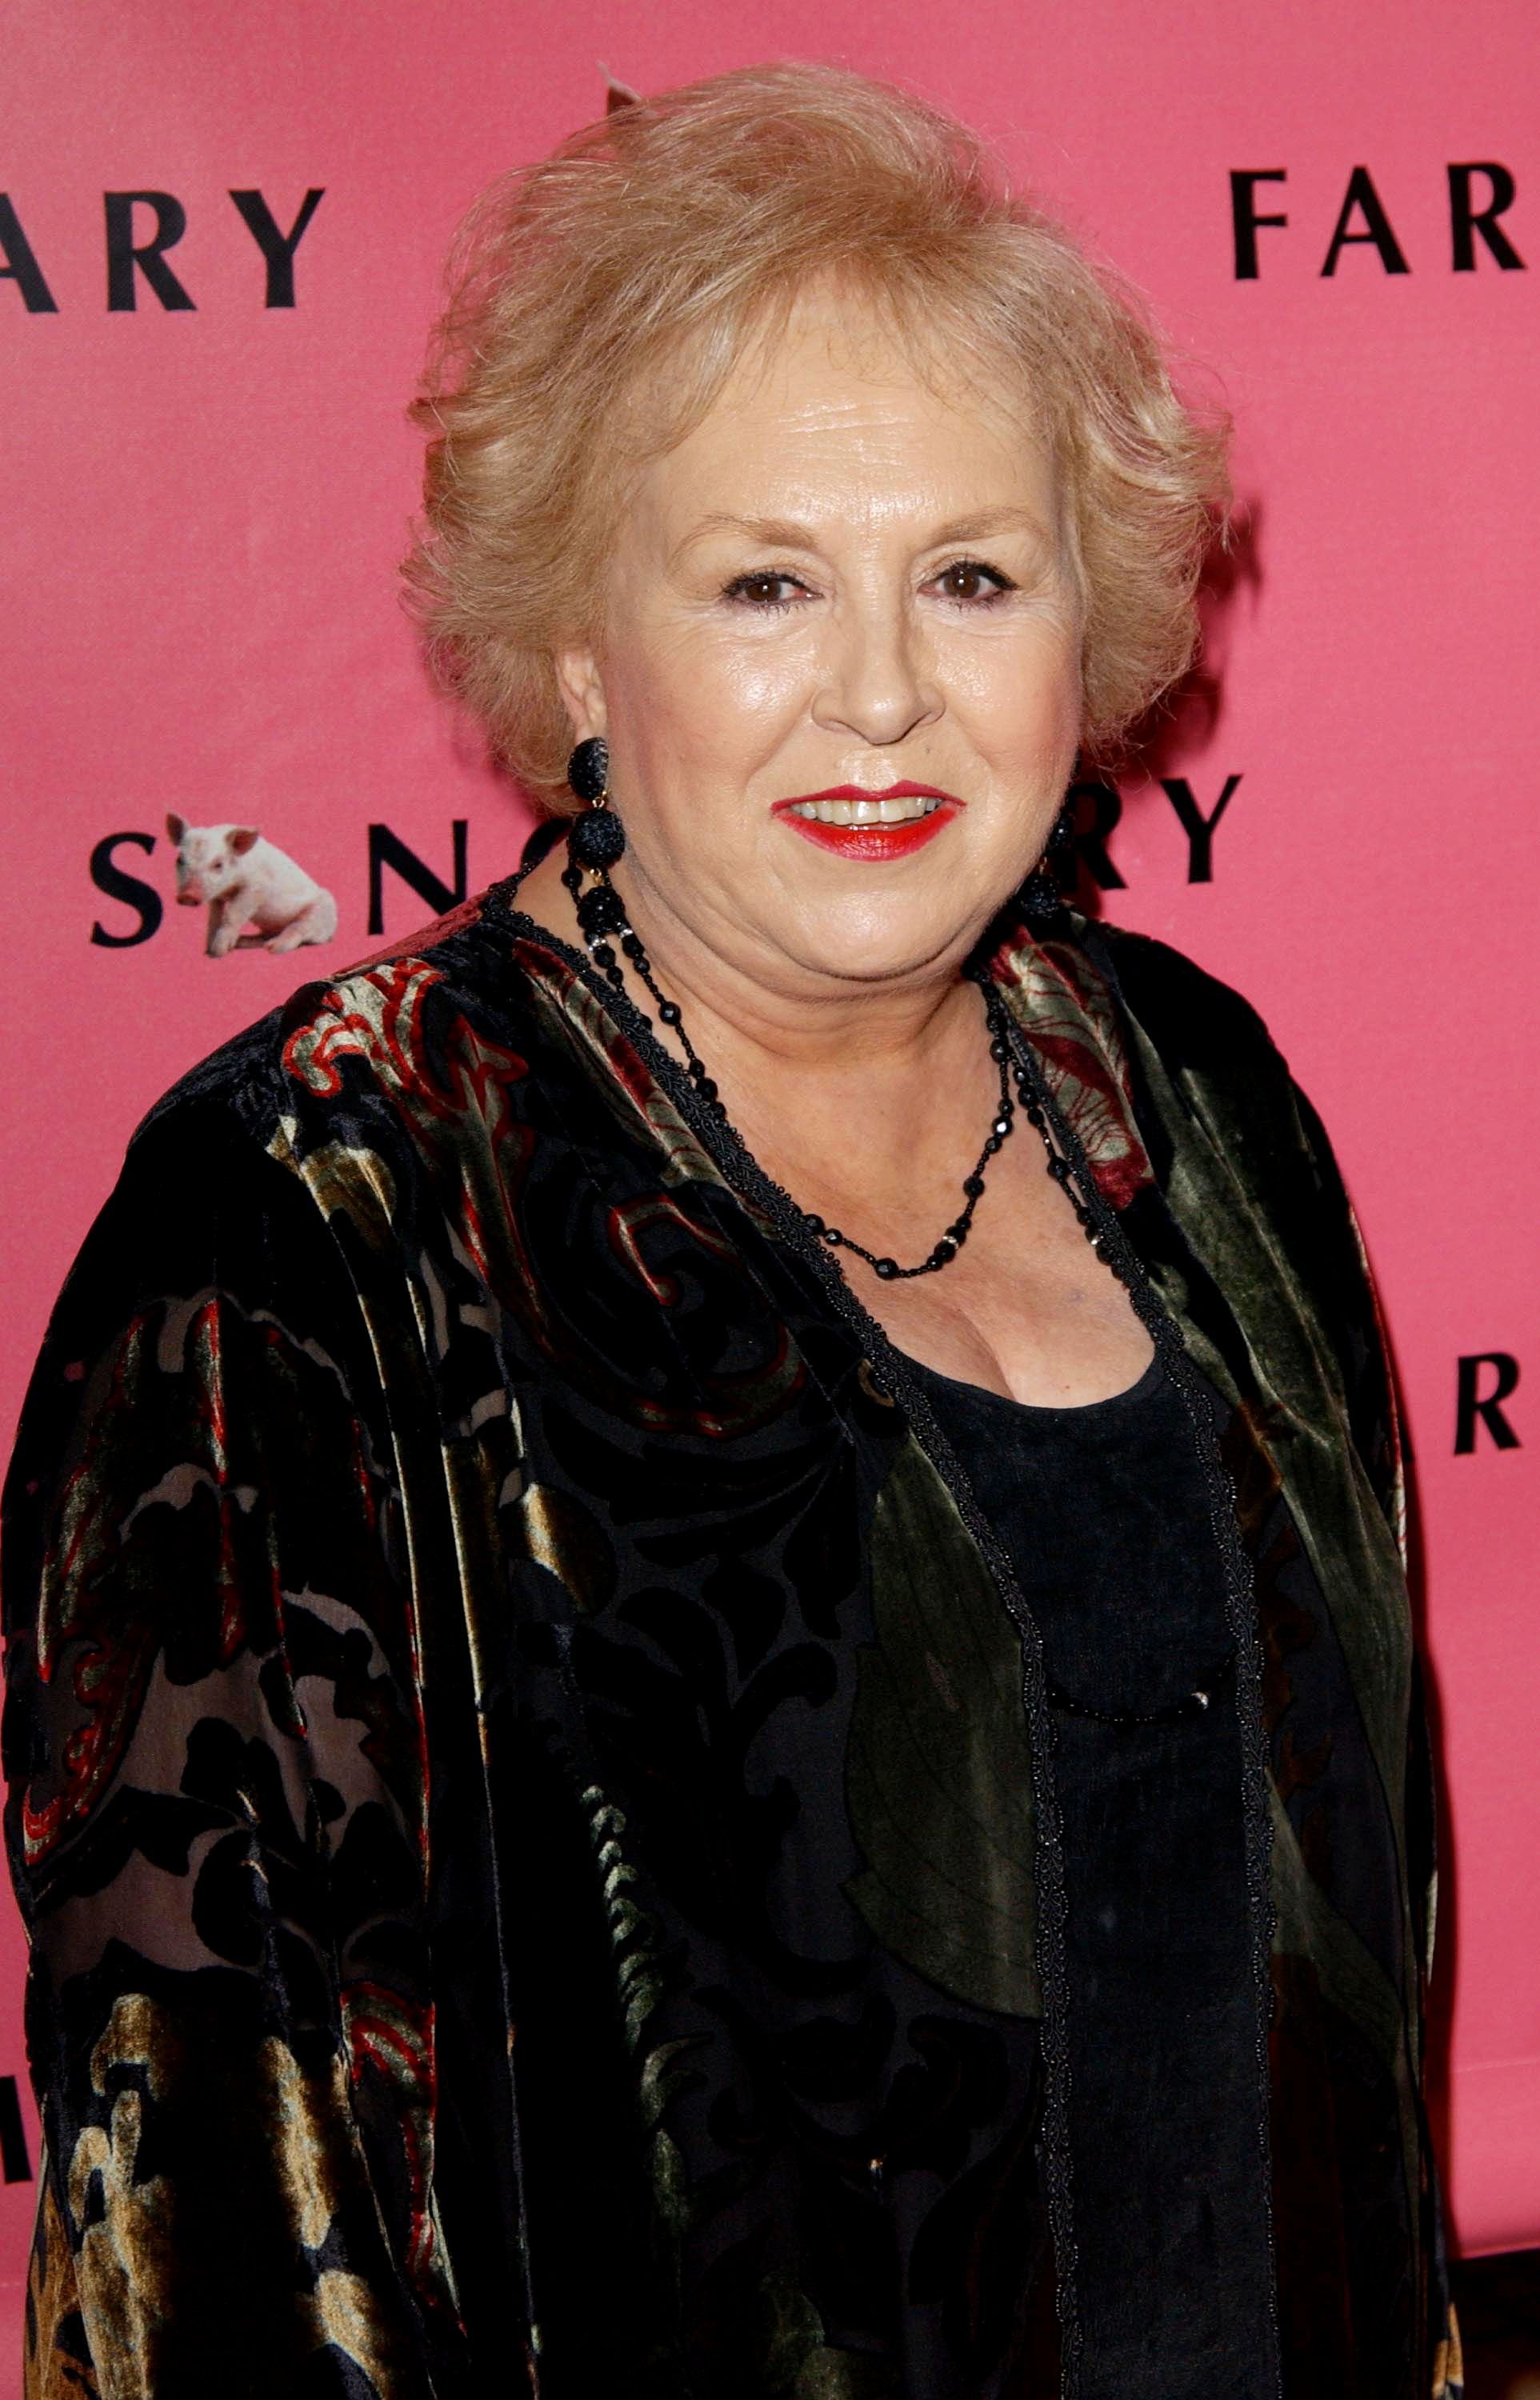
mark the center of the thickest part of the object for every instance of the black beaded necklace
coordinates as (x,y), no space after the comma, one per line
(597,842)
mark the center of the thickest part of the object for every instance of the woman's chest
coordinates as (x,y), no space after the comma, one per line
(1028,1308)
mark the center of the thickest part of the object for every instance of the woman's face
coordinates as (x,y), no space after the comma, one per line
(839,584)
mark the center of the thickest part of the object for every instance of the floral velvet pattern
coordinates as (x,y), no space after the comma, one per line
(469,1578)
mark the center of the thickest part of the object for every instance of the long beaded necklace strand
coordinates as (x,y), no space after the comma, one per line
(602,915)
(947,1248)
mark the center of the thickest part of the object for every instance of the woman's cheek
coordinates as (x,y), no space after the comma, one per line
(1044,702)
(763,677)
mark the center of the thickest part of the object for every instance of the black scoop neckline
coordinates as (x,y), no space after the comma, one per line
(1131,1397)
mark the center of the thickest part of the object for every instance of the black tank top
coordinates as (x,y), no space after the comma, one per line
(1104,1512)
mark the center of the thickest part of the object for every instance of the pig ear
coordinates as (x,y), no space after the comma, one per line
(176,826)
(242,838)
(617,95)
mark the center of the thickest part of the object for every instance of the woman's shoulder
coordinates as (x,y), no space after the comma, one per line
(322,1123)
(1203,1065)
(398,1029)
(1191,1017)
(1191,1052)
(1197,1026)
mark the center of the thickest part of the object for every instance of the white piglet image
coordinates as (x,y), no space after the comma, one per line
(247,881)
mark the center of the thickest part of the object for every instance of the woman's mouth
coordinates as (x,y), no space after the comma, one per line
(870,826)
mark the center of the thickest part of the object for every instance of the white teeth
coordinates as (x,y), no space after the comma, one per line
(862,813)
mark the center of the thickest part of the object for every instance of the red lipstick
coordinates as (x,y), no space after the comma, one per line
(872,843)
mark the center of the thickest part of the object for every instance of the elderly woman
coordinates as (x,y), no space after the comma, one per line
(711,1690)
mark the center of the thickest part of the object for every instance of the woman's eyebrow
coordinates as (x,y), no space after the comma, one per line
(774,532)
(784,532)
(985,521)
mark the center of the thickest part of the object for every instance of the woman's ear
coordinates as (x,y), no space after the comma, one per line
(582,690)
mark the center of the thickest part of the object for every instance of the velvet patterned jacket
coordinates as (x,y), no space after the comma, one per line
(487,1617)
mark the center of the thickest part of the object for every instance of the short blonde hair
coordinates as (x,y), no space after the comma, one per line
(673,231)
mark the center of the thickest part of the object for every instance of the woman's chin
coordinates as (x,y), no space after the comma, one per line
(868,942)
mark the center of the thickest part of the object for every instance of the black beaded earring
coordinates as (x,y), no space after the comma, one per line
(1041,896)
(597,841)
(598,838)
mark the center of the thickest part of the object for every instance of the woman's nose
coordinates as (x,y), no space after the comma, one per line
(874,681)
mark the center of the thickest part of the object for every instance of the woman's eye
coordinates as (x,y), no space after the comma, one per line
(764,589)
(969,579)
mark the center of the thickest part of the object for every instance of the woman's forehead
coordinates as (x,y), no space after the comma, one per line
(832,387)
(851,338)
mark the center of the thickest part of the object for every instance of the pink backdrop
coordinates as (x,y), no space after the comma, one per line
(206,504)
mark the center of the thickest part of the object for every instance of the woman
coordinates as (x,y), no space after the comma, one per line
(709,1684)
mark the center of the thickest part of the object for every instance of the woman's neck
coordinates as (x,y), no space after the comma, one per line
(866,1101)
(762,1021)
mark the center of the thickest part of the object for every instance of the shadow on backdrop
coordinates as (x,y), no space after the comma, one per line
(1183,726)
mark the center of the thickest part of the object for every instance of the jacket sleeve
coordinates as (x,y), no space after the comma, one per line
(1369,1377)
(213,1747)
(1341,1274)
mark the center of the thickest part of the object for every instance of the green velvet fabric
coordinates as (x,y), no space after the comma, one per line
(479,1613)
